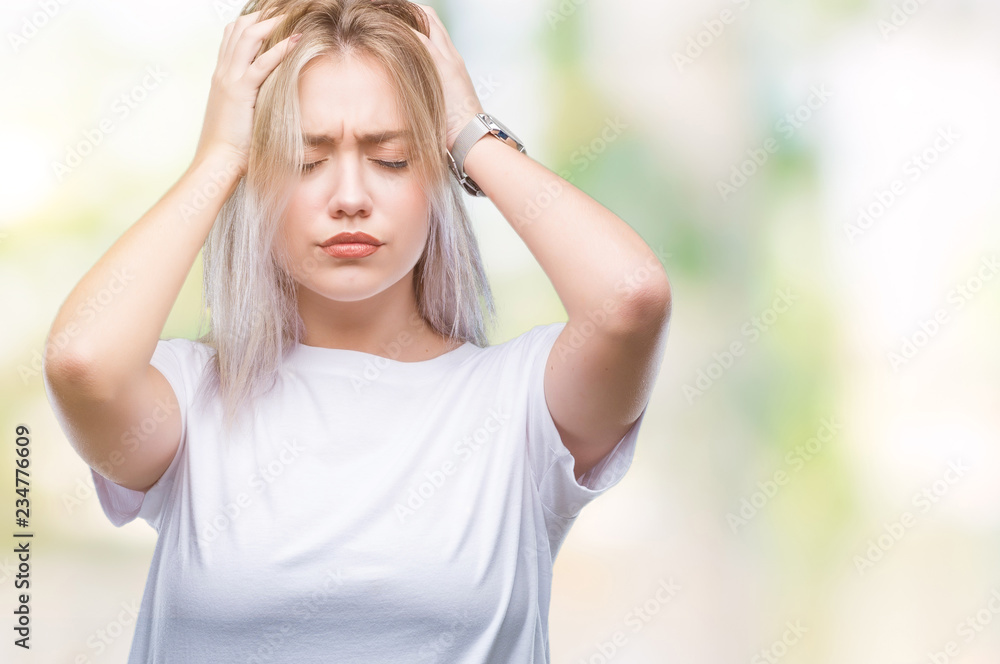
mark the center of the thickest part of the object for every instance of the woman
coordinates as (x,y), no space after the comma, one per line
(342,469)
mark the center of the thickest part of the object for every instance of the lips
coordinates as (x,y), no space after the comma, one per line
(351,245)
(356,237)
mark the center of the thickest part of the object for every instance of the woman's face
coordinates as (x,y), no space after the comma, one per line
(352,183)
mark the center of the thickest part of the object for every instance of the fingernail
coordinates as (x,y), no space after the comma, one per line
(294,38)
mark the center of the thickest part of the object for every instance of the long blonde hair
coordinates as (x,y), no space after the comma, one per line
(248,291)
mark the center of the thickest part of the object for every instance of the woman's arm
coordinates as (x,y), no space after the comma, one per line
(107,329)
(97,358)
(97,370)
(601,370)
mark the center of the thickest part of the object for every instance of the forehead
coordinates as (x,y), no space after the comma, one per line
(347,96)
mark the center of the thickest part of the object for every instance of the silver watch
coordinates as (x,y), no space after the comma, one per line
(478,127)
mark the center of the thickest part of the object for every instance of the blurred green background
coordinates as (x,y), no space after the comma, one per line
(817,476)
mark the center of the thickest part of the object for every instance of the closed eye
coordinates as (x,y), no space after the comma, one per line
(392,165)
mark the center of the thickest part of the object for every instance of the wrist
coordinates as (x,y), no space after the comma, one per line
(216,171)
(477,153)
(457,128)
(479,127)
(220,162)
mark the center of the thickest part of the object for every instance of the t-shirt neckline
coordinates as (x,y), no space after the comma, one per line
(340,359)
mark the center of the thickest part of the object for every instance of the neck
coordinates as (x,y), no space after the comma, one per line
(386,324)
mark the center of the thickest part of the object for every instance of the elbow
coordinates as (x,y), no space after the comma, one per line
(650,304)
(63,362)
(65,371)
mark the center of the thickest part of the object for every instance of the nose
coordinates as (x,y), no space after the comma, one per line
(349,194)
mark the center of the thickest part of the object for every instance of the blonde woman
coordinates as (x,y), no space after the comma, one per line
(343,469)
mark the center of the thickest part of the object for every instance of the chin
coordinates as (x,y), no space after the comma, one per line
(339,291)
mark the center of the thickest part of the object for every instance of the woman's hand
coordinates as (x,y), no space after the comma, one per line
(235,83)
(461,101)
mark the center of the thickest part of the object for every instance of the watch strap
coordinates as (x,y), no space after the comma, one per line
(473,131)
(480,125)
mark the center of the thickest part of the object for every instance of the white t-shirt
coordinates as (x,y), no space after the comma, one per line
(379,511)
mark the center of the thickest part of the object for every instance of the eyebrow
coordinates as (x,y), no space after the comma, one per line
(371,138)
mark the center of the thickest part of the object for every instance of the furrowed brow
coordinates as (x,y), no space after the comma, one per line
(372,138)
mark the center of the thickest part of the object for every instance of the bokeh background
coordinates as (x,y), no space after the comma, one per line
(817,479)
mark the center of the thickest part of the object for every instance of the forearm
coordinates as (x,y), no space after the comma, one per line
(594,259)
(107,329)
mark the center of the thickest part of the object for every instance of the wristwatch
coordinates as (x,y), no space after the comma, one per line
(479,126)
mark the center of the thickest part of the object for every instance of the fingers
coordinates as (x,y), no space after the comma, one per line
(438,30)
(223,47)
(431,46)
(230,38)
(248,45)
(268,60)
(439,43)
(236,49)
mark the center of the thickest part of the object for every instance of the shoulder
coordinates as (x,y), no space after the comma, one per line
(539,337)
(181,357)
(184,347)
(522,353)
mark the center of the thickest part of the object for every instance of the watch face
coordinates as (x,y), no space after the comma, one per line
(500,131)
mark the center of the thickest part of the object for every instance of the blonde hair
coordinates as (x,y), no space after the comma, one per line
(248,287)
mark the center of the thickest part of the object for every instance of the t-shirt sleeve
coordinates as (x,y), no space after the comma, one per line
(175,359)
(559,490)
